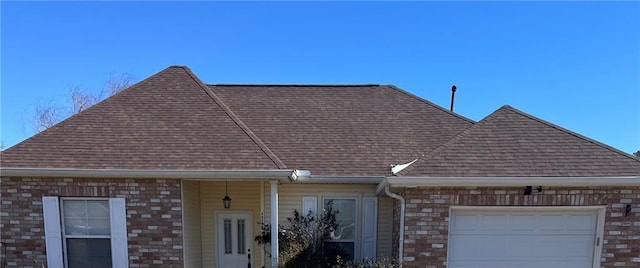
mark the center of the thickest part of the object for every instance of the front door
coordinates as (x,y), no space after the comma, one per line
(234,239)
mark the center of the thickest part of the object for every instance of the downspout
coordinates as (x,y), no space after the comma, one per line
(401,239)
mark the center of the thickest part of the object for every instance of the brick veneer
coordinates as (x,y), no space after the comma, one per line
(427,216)
(154,217)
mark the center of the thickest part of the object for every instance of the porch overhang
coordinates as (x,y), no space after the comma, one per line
(506,181)
(282,175)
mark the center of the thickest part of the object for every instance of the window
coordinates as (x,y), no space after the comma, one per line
(85,232)
(357,217)
(241,240)
(343,239)
(227,236)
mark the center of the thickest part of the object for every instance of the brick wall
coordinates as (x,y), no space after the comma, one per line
(427,216)
(154,217)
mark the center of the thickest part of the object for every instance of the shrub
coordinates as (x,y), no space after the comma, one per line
(302,243)
(367,263)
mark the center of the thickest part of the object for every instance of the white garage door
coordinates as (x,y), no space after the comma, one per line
(521,237)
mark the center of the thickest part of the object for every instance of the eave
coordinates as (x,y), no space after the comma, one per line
(508,181)
(282,175)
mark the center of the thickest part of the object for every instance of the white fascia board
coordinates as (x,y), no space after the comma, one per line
(282,175)
(340,179)
(511,181)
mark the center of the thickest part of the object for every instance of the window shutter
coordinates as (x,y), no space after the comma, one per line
(310,203)
(370,224)
(119,249)
(52,231)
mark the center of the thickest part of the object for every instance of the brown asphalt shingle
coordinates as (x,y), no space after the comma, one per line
(167,121)
(341,130)
(512,143)
(172,120)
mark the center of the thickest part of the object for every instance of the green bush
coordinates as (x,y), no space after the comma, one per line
(302,243)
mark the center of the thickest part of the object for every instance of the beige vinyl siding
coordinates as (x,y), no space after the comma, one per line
(385,227)
(191,228)
(245,196)
(290,199)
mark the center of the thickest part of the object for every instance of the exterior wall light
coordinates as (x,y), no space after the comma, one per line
(226,201)
(528,190)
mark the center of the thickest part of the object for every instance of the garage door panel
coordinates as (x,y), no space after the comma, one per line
(492,248)
(547,247)
(563,246)
(519,247)
(582,222)
(520,238)
(522,222)
(493,222)
(476,264)
(527,224)
(505,247)
(551,222)
(478,248)
(465,247)
(466,223)
(520,264)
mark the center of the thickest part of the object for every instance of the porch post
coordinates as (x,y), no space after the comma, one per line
(274,224)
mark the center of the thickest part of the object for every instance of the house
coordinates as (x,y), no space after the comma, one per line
(138,181)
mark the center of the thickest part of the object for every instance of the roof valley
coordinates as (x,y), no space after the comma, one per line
(237,120)
(428,155)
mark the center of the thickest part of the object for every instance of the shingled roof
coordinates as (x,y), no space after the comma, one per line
(173,121)
(355,130)
(512,143)
(167,121)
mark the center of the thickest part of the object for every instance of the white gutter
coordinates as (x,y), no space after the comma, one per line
(340,179)
(512,181)
(283,175)
(401,238)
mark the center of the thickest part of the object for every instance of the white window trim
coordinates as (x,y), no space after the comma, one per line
(358,230)
(371,241)
(63,229)
(315,203)
(54,237)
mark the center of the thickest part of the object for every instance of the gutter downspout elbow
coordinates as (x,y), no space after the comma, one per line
(401,234)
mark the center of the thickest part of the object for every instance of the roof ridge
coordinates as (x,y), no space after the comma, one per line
(430,103)
(490,116)
(294,85)
(575,134)
(235,119)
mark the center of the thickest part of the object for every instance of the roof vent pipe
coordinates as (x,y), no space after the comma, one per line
(453,95)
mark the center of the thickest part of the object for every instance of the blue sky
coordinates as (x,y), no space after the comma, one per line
(575,64)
